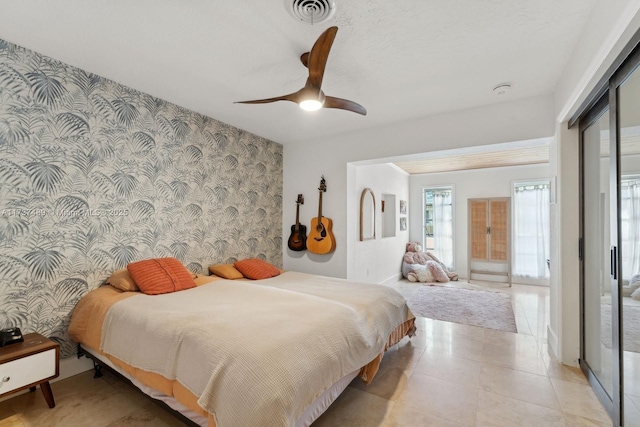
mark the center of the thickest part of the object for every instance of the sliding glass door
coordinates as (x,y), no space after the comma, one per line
(597,283)
(628,95)
(610,281)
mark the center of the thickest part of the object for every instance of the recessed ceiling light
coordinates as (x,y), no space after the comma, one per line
(502,89)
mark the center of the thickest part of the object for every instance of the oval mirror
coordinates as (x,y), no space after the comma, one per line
(367,215)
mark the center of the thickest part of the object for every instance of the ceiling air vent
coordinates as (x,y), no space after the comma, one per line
(311,11)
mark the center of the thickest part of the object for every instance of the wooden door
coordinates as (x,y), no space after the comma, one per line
(489,250)
(478,214)
(499,230)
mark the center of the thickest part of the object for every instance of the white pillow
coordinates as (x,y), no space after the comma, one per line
(424,275)
(636,294)
(628,290)
(412,271)
(420,273)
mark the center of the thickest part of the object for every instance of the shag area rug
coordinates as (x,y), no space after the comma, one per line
(478,308)
(630,327)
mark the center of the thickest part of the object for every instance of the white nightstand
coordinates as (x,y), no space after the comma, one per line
(29,363)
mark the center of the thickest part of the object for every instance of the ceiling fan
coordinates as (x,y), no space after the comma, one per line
(311,97)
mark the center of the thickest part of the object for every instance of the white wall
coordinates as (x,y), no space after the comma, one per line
(565,309)
(304,163)
(554,249)
(609,28)
(494,182)
(380,259)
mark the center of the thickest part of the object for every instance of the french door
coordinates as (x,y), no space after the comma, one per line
(438,223)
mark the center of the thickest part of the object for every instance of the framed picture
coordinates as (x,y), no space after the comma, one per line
(403,223)
(403,207)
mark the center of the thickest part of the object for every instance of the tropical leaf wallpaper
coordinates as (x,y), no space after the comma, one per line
(95,175)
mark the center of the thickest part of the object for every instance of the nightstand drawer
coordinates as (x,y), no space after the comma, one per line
(27,370)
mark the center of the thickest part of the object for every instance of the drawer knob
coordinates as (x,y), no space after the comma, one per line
(6,379)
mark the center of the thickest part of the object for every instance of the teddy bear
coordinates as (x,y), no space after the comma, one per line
(419,266)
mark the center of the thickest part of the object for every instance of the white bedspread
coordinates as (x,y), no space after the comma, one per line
(257,353)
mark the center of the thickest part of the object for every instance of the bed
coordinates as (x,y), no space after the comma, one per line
(272,352)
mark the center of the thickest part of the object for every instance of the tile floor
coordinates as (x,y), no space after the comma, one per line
(447,375)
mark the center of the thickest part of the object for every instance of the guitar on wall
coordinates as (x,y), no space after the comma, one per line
(298,238)
(321,240)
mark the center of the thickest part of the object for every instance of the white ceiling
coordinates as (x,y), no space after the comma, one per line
(400,59)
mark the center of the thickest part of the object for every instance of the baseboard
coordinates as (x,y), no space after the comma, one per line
(521,280)
(68,368)
(73,366)
(391,279)
(552,342)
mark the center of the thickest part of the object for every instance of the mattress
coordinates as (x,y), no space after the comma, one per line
(220,347)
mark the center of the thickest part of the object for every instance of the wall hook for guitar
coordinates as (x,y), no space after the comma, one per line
(321,240)
(298,238)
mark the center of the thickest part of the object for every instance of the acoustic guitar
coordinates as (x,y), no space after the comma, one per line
(321,240)
(298,238)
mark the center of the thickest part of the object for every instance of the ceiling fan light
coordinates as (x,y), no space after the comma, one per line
(310,105)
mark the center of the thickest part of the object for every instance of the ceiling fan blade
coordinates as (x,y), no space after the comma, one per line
(291,97)
(317,59)
(304,58)
(344,104)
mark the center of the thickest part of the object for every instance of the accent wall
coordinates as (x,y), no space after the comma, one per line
(95,175)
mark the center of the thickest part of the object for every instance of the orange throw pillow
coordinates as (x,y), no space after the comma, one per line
(256,269)
(121,279)
(227,271)
(203,280)
(160,276)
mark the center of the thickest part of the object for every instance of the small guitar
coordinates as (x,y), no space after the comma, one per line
(321,240)
(298,238)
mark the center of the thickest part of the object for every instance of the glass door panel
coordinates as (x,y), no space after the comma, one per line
(598,340)
(438,223)
(629,136)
